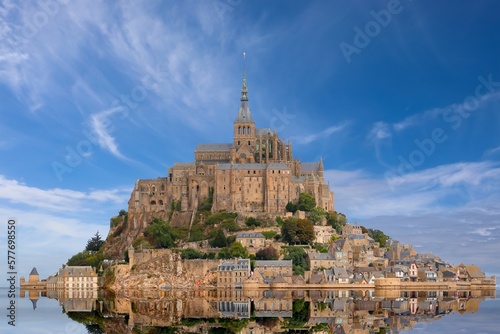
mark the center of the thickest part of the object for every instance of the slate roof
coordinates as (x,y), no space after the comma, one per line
(340,272)
(273,263)
(278,166)
(263,131)
(242,264)
(213,147)
(309,167)
(240,166)
(33,271)
(249,235)
(321,256)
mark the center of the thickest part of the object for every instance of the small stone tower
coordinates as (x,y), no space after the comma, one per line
(34,277)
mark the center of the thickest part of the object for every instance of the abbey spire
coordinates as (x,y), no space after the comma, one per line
(244,114)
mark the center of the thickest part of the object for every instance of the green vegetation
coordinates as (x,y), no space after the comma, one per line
(306,202)
(290,207)
(206,205)
(235,250)
(87,258)
(268,253)
(233,325)
(300,314)
(252,222)
(299,259)
(219,240)
(337,220)
(160,234)
(269,234)
(94,243)
(320,248)
(316,215)
(190,253)
(297,231)
(378,236)
(221,217)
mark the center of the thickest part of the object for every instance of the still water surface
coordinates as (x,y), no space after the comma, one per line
(254,312)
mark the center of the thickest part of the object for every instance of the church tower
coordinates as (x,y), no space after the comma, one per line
(244,128)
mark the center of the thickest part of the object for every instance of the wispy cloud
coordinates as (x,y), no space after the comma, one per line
(307,139)
(102,126)
(425,191)
(60,200)
(380,130)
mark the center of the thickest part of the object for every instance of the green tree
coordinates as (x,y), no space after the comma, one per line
(94,243)
(251,221)
(337,220)
(299,259)
(190,253)
(235,250)
(316,215)
(306,202)
(290,207)
(378,236)
(160,234)
(297,231)
(219,240)
(268,253)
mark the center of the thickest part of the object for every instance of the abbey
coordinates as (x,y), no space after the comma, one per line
(256,172)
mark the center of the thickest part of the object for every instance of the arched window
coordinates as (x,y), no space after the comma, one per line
(153,203)
(244,130)
(248,131)
(160,202)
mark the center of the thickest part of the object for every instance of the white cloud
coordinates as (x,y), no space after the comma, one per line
(61,200)
(426,191)
(307,139)
(380,130)
(102,126)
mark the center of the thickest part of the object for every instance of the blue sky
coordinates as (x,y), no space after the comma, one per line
(400,98)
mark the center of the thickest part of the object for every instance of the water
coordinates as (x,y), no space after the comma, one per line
(185,311)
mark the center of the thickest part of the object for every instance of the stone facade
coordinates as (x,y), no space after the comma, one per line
(256,172)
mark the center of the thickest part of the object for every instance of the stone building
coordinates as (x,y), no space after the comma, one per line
(256,172)
(233,273)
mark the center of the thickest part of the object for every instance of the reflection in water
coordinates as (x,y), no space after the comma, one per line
(228,311)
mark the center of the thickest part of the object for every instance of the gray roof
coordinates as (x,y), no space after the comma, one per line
(263,131)
(244,114)
(78,270)
(309,167)
(340,272)
(242,264)
(321,256)
(275,263)
(241,166)
(33,271)
(278,166)
(183,164)
(213,147)
(249,235)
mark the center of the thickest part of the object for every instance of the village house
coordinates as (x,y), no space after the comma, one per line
(320,260)
(273,271)
(273,304)
(253,241)
(233,273)
(342,252)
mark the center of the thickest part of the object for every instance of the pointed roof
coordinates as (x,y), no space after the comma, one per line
(244,114)
(33,271)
